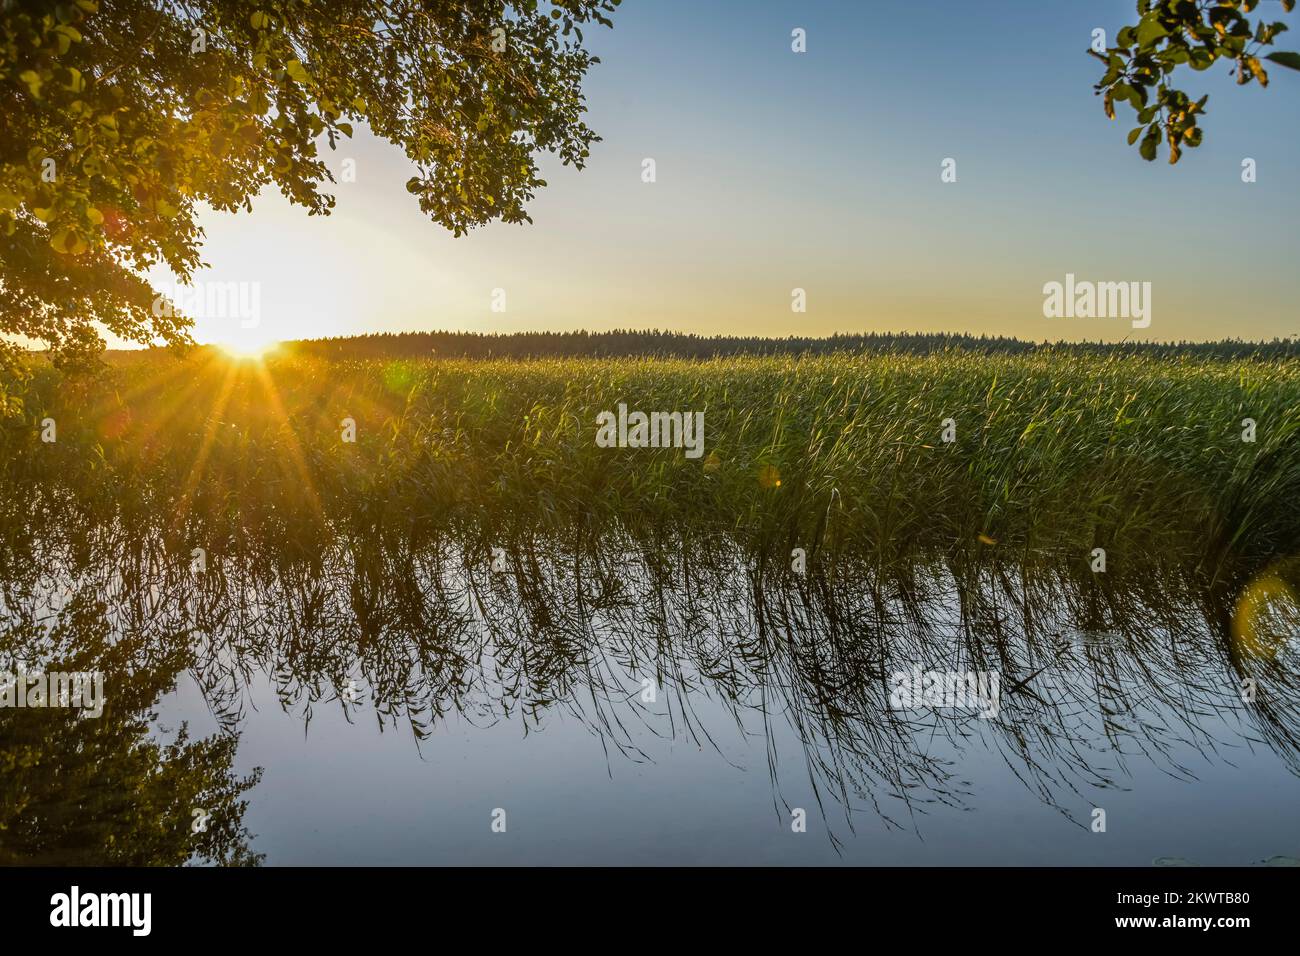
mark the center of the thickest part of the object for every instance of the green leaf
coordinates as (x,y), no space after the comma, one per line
(1148,147)
(1285,58)
(68,242)
(33,81)
(1150,30)
(1134,134)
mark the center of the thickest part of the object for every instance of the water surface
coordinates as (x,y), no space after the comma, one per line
(615,702)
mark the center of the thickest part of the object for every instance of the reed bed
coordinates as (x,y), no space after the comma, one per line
(1054,453)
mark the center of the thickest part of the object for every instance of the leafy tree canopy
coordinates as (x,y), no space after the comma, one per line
(119,119)
(1174,33)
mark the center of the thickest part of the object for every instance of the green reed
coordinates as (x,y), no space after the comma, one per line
(1055,453)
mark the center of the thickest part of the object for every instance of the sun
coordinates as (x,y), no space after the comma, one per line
(248,344)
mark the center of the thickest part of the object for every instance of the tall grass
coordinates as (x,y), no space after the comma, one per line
(1055,453)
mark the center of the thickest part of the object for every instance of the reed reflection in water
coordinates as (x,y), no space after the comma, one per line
(695,672)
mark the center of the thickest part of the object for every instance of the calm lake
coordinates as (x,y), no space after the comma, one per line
(540,703)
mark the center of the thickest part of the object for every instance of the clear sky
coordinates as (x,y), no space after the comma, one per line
(821,170)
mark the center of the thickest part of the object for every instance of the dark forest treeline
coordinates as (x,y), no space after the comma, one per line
(621,342)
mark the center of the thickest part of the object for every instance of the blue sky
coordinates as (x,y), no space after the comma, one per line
(821,171)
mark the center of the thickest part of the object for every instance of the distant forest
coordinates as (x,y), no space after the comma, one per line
(621,343)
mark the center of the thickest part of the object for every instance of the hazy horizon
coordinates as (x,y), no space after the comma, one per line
(847,333)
